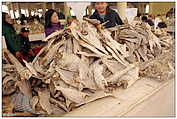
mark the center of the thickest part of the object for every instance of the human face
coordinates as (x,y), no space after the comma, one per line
(101,7)
(8,19)
(54,18)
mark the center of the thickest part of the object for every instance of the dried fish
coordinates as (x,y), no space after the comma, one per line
(88,54)
(130,77)
(82,43)
(68,102)
(76,46)
(8,85)
(25,88)
(30,67)
(115,77)
(69,46)
(99,79)
(59,104)
(143,54)
(57,112)
(93,40)
(34,101)
(39,69)
(21,70)
(44,96)
(56,33)
(97,95)
(79,64)
(73,95)
(113,65)
(49,56)
(69,77)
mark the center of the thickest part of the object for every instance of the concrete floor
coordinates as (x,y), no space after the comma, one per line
(161,104)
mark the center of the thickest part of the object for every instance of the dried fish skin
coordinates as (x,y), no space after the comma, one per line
(115,77)
(97,95)
(44,96)
(98,76)
(73,95)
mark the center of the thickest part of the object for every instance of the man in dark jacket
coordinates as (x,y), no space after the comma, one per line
(26,51)
(149,21)
(103,13)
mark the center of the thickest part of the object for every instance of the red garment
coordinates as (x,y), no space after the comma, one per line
(27,58)
(36,50)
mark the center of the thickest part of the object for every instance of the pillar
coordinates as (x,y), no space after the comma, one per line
(66,10)
(29,11)
(151,7)
(8,5)
(12,8)
(121,7)
(19,9)
(43,9)
(53,5)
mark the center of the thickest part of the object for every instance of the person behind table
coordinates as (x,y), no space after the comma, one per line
(138,17)
(60,14)
(103,13)
(23,19)
(11,37)
(52,22)
(149,21)
(26,51)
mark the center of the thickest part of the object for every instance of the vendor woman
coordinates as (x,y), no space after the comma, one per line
(52,23)
(11,37)
(103,13)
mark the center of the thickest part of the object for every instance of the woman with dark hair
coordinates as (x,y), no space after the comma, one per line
(52,22)
(11,37)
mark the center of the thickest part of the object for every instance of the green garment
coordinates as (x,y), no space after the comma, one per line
(12,39)
(102,16)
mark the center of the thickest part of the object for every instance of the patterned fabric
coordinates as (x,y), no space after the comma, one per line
(21,103)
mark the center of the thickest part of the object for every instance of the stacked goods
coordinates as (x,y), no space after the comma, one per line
(34,28)
(85,62)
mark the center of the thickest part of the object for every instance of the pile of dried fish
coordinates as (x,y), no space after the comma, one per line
(152,49)
(83,63)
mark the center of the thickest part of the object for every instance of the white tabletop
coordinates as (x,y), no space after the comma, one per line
(36,37)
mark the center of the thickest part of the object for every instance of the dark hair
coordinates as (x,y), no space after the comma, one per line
(162,25)
(4,17)
(96,2)
(48,16)
(139,14)
(144,18)
(4,21)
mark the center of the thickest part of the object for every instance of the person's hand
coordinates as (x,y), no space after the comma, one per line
(18,54)
(31,52)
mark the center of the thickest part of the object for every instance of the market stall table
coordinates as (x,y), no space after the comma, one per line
(36,37)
